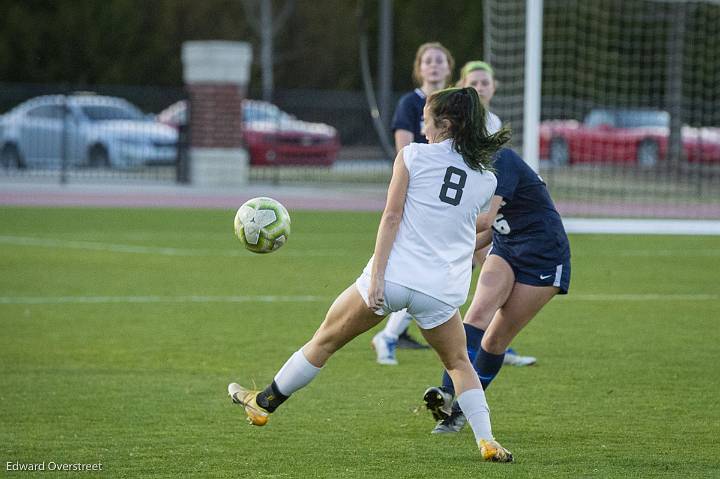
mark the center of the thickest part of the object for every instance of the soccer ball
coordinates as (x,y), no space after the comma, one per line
(262,225)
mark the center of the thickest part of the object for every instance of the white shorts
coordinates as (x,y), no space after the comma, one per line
(427,311)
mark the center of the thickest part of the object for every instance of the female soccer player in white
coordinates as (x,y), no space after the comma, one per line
(422,261)
(432,70)
(480,76)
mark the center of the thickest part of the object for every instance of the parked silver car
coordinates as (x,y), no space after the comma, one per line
(85,129)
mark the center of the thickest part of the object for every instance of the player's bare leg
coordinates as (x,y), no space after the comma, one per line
(522,305)
(494,286)
(347,317)
(499,280)
(448,340)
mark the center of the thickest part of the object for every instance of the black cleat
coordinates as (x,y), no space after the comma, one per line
(438,402)
(405,341)
(451,424)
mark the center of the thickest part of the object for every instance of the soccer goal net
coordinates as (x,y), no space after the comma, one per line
(630,102)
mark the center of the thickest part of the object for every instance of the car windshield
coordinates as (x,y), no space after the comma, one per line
(637,119)
(107,112)
(599,117)
(627,118)
(252,113)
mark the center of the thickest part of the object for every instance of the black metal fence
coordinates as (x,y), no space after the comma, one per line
(103,132)
(122,134)
(141,133)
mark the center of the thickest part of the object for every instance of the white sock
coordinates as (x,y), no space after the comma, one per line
(296,373)
(475,407)
(396,324)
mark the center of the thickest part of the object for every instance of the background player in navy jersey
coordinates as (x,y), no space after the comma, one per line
(432,70)
(528,264)
(436,187)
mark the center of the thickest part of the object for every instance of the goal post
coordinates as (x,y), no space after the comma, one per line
(533,68)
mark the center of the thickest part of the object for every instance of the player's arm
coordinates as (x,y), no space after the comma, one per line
(485,221)
(483,239)
(403,138)
(389,224)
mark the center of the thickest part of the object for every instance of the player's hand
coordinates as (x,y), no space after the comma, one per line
(376,291)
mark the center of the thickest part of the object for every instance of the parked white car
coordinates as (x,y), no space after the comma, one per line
(87,129)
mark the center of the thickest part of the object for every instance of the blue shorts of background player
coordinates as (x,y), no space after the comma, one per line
(536,272)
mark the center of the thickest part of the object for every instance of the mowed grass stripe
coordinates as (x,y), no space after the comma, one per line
(160,299)
(151,250)
(45,242)
(312,299)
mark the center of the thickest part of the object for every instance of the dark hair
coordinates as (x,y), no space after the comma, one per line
(467,125)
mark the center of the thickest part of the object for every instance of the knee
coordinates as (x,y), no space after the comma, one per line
(493,344)
(325,341)
(456,361)
(480,314)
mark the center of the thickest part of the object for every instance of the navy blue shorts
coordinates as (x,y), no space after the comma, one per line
(536,271)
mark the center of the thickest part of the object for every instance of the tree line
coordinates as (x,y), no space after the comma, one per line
(138,42)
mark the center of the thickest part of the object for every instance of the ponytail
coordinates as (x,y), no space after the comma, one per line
(467,118)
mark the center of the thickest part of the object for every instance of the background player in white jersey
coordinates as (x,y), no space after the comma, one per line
(480,76)
(422,261)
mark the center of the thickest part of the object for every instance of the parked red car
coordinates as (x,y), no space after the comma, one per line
(274,137)
(626,136)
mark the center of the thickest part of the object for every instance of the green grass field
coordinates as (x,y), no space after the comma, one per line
(121,329)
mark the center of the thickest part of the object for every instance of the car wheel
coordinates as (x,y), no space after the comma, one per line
(98,157)
(647,153)
(10,157)
(559,152)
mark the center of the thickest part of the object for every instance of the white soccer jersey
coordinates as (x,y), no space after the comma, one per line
(433,249)
(492,123)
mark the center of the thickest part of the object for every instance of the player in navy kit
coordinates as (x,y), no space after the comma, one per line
(481,76)
(432,70)
(527,265)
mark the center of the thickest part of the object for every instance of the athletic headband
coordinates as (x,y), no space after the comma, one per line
(476,65)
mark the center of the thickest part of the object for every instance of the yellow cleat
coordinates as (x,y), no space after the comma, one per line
(493,451)
(256,415)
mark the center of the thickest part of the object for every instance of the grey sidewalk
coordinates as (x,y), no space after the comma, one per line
(48,192)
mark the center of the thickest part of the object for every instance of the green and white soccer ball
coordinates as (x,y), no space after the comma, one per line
(262,225)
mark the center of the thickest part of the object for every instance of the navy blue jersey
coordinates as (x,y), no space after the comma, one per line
(409,115)
(527,224)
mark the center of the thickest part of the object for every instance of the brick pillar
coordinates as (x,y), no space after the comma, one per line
(216,74)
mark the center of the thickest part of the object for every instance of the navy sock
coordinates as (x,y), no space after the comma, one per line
(474,337)
(487,366)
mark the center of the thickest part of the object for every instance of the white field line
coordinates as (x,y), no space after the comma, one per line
(666,253)
(153,250)
(640,297)
(641,226)
(159,299)
(30,300)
